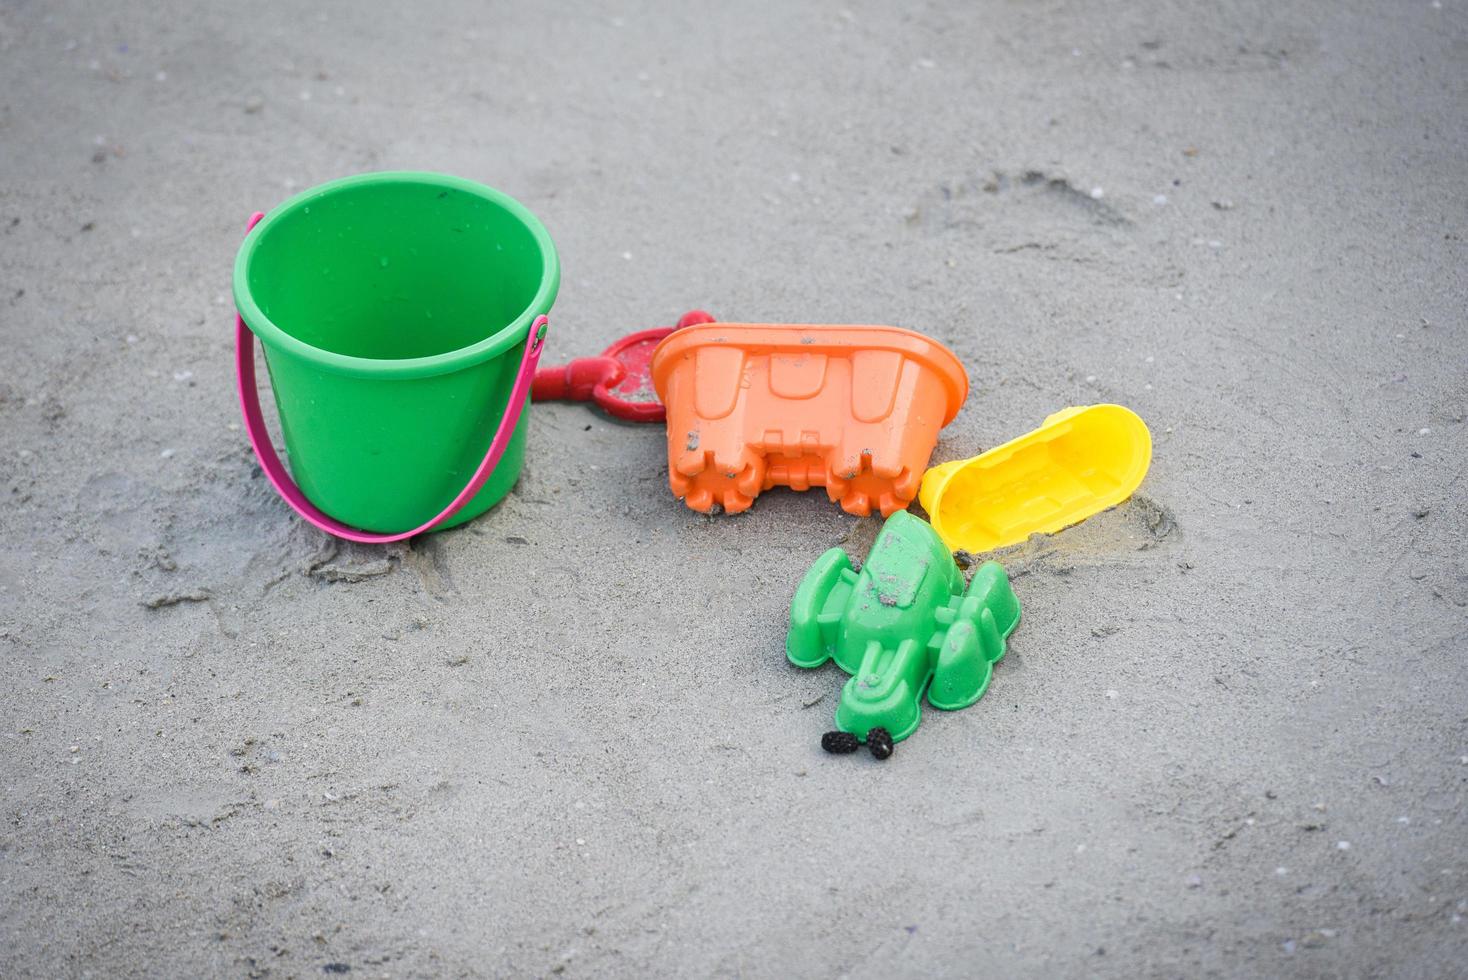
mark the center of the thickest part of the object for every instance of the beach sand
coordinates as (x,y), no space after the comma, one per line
(1230,738)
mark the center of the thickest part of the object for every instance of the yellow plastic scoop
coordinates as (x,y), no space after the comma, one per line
(1078,463)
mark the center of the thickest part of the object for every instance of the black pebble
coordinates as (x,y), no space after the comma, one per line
(879,743)
(840,743)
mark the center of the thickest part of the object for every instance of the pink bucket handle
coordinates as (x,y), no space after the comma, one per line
(244,361)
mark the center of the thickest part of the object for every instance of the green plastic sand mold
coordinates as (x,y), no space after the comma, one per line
(902,626)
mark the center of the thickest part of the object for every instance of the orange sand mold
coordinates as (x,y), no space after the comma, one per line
(854,409)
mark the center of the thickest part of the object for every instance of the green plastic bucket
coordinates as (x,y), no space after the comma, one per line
(394,311)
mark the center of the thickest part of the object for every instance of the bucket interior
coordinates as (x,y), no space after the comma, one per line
(394,269)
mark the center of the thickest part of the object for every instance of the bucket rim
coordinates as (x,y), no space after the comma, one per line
(273,336)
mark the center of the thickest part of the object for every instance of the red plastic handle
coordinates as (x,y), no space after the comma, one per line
(616,378)
(577,381)
(292,495)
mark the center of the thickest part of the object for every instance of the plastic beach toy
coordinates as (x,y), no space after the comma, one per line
(904,625)
(401,317)
(854,409)
(619,380)
(1079,463)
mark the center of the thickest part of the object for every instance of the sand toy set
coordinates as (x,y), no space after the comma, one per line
(402,317)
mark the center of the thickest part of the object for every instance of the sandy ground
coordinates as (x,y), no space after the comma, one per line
(1230,739)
